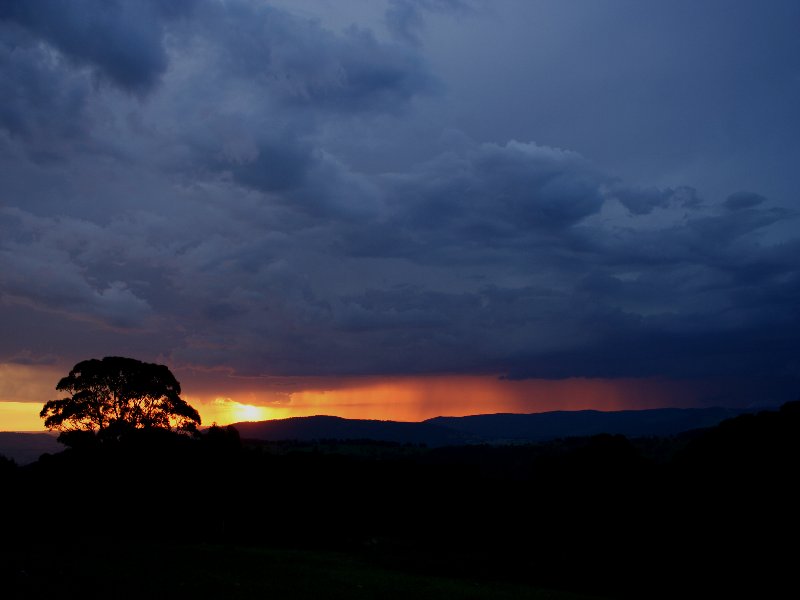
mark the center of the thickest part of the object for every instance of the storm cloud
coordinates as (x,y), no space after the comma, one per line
(119,41)
(249,187)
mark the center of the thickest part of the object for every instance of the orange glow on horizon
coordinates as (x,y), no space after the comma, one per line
(420,398)
(223,398)
(20,416)
(224,411)
(23,391)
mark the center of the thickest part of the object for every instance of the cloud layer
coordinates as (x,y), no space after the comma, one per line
(210,184)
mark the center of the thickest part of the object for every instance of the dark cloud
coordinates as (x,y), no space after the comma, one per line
(305,65)
(279,166)
(741,200)
(46,263)
(121,41)
(231,213)
(41,101)
(405,18)
(458,268)
(644,201)
(298,60)
(483,197)
(26,357)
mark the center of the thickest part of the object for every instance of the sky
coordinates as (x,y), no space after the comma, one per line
(404,208)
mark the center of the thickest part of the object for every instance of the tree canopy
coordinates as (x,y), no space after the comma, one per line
(117,394)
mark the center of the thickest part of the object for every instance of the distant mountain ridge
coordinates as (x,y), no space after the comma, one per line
(325,427)
(537,427)
(441,431)
(492,428)
(26,448)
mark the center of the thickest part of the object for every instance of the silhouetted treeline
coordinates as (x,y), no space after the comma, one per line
(707,512)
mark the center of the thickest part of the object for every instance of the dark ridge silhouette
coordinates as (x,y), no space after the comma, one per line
(538,427)
(25,448)
(337,428)
(491,429)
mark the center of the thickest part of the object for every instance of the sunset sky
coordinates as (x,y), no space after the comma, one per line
(405,208)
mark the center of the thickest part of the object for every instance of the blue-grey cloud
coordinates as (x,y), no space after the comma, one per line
(42,102)
(644,201)
(305,65)
(741,200)
(281,196)
(486,195)
(405,18)
(121,41)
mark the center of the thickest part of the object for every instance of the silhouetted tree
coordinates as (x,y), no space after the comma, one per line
(222,439)
(116,394)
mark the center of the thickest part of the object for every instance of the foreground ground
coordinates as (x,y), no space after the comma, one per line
(714,513)
(103,569)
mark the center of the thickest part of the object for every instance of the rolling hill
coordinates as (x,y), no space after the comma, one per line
(491,429)
(26,448)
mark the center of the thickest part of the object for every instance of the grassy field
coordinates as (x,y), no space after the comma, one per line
(102,570)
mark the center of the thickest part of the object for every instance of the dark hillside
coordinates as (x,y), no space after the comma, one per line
(538,427)
(714,516)
(325,427)
(25,448)
(491,429)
